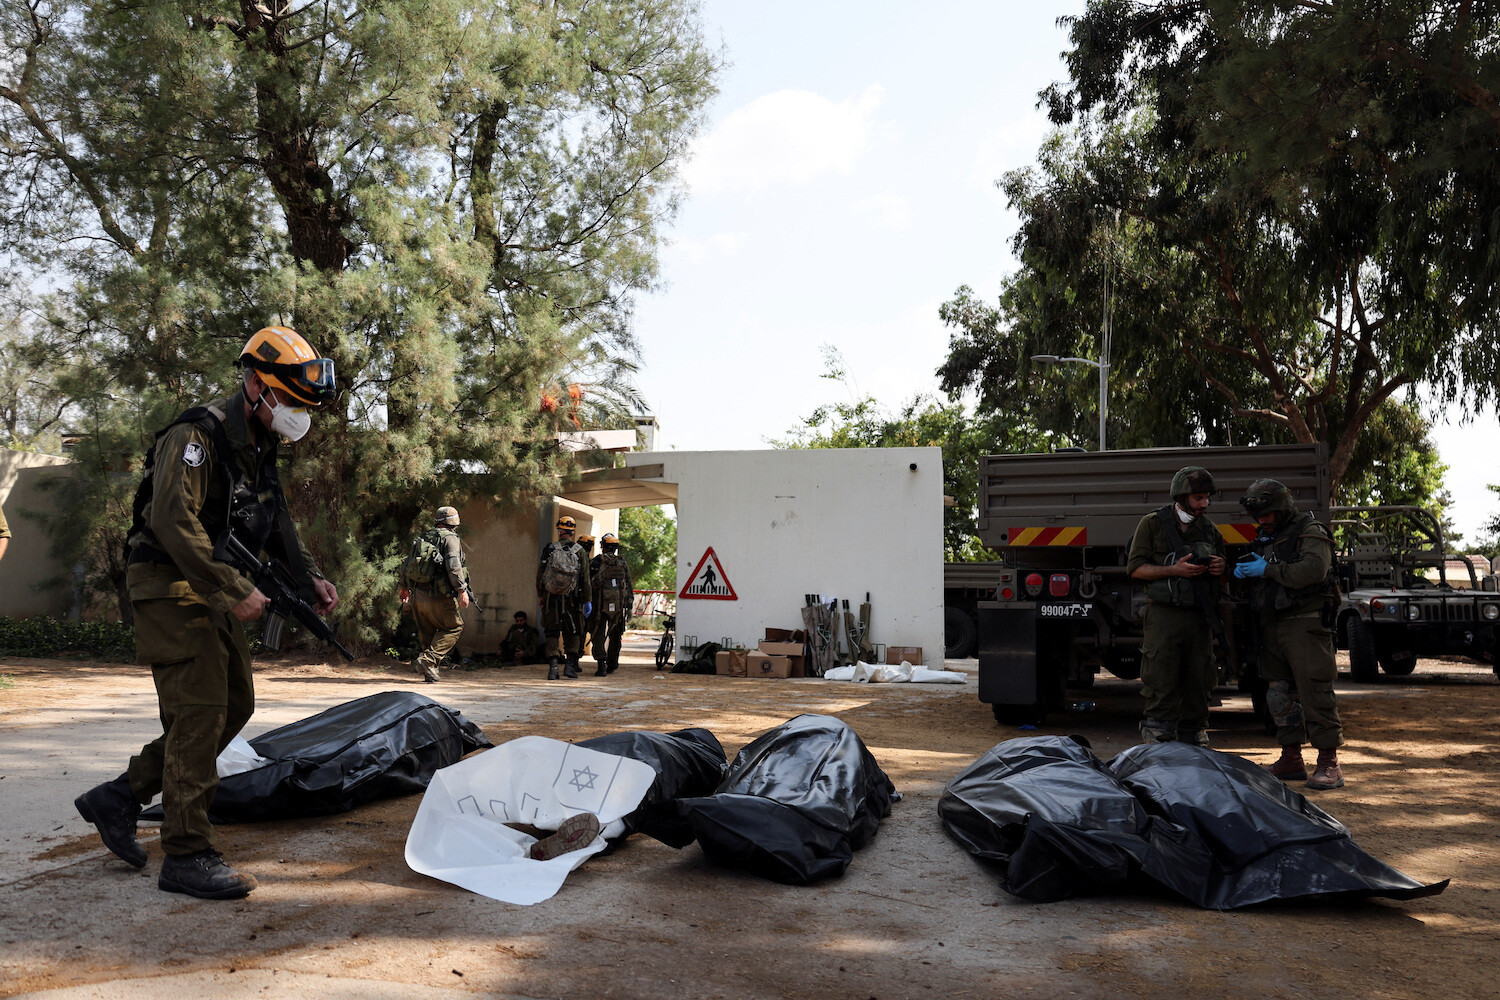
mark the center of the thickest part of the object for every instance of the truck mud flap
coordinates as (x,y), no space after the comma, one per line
(1012,674)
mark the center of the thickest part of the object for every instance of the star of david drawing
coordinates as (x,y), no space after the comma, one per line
(583,778)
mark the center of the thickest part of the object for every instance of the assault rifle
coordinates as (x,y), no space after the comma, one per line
(272,579)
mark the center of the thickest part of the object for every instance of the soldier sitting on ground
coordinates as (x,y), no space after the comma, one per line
(521,644)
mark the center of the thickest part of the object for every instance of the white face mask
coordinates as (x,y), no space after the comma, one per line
(290,422)
(1182,515)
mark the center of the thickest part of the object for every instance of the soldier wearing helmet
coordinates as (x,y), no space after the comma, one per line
(1295,597)
(612,597)
(211,471)
(435,581)
(565,598)
(1179,554)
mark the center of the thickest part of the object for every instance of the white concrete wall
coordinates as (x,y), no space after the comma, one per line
(837,522)
(28,565)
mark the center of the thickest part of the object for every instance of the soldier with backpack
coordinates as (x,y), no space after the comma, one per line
(565,598)
(612,596)
(435,581)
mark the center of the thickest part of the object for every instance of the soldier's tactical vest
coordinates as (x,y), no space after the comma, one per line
(611,596)
(252,510)
(1177,590)
(1274,598)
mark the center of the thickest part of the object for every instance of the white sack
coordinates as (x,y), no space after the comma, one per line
(460,836)
(900,673)
(921,675)
(238,757)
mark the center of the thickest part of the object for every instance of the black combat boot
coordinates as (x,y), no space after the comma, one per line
(603,670)
(205,875)
(113,809)
(571,670)
(552,669)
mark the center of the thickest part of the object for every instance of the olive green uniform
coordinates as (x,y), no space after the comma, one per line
(1296,652)
(4,527)
(197,650)
(611,581)
(440,621)
(520,639)
(563,620)
(1177,658)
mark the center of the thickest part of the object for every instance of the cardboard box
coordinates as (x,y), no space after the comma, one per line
(785,635)
(730,662)
(792,651)
(911,654)
(760,664)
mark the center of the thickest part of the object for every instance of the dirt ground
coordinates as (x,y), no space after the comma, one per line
(338,913)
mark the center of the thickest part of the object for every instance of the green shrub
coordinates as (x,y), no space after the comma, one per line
(44,636)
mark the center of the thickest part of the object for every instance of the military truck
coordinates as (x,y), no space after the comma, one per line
(1390,613)
(1063,607)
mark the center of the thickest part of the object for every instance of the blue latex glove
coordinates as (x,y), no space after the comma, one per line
(588,608)
(1252,566)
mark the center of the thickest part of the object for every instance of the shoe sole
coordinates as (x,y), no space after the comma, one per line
(1321,787)
(89,816)
(235,892)
(573,834)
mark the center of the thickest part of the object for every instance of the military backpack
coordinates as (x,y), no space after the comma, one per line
(427,568)
(560,568)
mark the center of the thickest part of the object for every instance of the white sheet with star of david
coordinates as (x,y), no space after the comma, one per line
(460,833)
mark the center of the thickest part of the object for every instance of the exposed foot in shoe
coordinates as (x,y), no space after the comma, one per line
(573,834)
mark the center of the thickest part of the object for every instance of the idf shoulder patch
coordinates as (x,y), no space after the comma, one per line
(193,454)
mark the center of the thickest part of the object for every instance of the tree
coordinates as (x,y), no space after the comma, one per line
(1299,303)
(454,200)
(648,538)
(923,422)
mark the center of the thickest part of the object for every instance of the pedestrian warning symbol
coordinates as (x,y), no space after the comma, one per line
(709,581)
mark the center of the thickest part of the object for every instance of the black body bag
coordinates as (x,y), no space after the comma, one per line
(687,763)
(796,803)
(379,747)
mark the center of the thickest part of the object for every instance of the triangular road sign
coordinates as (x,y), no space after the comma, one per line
(709,581)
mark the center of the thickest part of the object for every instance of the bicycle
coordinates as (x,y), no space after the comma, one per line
(668,643)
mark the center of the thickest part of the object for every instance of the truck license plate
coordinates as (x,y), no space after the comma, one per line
(1076,609)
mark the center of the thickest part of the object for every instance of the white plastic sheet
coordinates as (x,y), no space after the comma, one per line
(460,836)
(902,673)
(238,757)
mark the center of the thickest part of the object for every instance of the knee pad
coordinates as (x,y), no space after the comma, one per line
(1285,709)
(1158,731)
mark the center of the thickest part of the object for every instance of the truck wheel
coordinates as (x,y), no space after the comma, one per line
(959,633)
(1363,663)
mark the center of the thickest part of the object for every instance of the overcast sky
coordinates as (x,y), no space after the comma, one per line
(843,189)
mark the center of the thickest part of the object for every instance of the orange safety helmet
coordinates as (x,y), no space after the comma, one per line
(610,538)
(283,358)
(567,522)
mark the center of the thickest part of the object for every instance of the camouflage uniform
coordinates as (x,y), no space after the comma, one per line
(1296,654)
(1177,659)
(181,597)
(440,620)
(611,581)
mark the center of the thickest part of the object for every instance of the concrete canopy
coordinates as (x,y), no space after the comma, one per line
(608,489)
